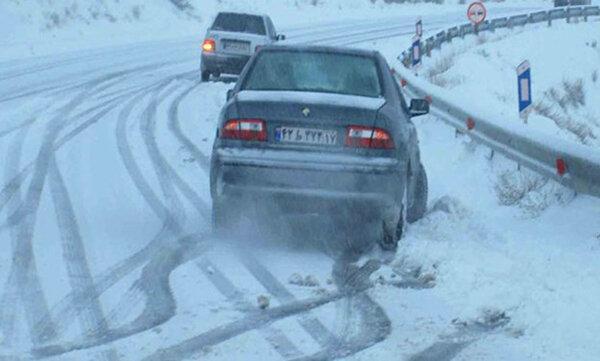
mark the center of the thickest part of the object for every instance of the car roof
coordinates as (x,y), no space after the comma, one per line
(322,49)
(239,13)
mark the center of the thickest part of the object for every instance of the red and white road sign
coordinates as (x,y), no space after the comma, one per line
(477,13)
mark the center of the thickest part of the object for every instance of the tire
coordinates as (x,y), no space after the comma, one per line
(391,236)
(205,76)
(392,233)
(419,205)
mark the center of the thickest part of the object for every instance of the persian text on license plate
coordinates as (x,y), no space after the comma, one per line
(234,45)
(306,136)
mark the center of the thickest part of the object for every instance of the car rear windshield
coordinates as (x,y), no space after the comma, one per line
(240,23)
(314,72)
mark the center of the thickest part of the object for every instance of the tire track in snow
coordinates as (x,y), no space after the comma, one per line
(312,325)
(88,87)
(68,308)
(11,129)
(274,336)
(91,316)
(64,85)
(168,177)
(68,305)
(10,297)
(374,326)
(175,128)
(14,184)
(154,284)
(165,236)
(190,347)
(32,296)
(104,108)
(451,345)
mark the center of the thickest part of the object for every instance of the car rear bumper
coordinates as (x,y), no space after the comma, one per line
(308,182)
(224,63)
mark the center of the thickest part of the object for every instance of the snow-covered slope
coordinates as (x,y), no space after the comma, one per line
(565,65)
(34,28)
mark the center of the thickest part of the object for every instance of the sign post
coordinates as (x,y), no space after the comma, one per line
(416,52)
(524,88)
(476,13)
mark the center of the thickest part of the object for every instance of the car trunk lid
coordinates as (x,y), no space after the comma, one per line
(308,120)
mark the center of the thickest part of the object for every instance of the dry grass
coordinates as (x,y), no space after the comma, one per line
(436,74)
(558,104)
(530,192)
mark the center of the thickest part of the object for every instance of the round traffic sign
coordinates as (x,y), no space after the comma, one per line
(477,12)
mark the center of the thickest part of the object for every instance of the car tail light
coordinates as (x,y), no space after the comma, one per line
(257,49)
(245,129)
(209,45)
(367,137)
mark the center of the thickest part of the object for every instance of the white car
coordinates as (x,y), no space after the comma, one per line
(232,39)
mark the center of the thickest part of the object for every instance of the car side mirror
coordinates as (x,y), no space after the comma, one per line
(280,37)
(418,107)
(229,94)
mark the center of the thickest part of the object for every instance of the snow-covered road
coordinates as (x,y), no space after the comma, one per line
(107,255)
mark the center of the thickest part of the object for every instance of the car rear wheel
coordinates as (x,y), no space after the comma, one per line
(418,206)
(393,233)
(205,76)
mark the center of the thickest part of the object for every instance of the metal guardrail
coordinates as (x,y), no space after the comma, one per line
(573,165)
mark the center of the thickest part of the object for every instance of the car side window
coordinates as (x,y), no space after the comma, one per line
(271,28)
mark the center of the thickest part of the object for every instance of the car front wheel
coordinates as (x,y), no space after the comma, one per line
(418,206)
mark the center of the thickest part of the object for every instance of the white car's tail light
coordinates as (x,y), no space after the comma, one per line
(209,45)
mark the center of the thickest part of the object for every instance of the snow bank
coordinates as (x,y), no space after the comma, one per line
(565,70)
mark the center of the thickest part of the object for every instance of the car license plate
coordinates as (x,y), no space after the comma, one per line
(306,136)
(237,46)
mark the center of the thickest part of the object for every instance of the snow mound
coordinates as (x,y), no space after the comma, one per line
(565,75)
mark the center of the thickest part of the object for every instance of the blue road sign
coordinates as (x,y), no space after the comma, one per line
(524,86)
(416,51)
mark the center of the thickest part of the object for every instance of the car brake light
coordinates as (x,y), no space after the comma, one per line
(245,129)
(209,45)
(358,136)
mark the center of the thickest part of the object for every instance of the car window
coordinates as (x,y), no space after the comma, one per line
(240,23)
(316,72)
(271,27)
